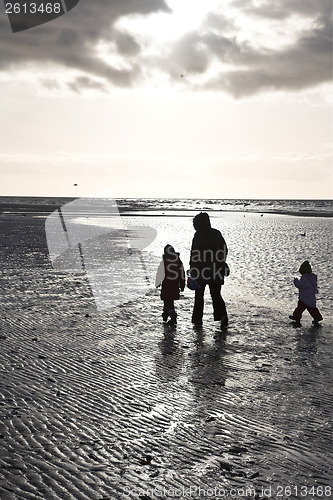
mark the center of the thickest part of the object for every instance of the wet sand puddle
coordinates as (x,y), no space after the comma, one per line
(108,405)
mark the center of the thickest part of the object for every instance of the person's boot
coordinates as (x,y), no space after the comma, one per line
(165,317)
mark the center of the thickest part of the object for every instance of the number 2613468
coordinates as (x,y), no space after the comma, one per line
(33,8)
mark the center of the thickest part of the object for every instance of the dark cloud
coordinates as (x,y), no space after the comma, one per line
(304,64)
(301,64)
(71,41)
(126,44)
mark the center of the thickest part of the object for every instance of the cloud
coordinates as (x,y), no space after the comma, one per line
(243,68)
(281,9)
(189,54)
(304,65)
(126,44)
(83,82)
(70,41)
(226,53)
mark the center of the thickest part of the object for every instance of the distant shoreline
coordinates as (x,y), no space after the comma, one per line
(46,210)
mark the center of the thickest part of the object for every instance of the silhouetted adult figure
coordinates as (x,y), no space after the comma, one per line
(207,267)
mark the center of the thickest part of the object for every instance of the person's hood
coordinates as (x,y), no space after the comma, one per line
(170,256)
(201,222)
(305,268)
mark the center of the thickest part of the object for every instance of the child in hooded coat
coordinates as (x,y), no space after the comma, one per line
(307,286)
(172,277)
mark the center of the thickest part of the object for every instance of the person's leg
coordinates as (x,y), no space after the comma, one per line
(297,314)
(173,314)
(198,304)
(220,311)
(315,314)
(167,309)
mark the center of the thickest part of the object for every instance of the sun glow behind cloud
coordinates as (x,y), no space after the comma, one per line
(186,16)
(221,18)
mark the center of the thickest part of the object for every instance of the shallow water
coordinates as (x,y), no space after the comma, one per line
(264,254)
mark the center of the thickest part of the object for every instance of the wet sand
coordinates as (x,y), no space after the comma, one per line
(111,404)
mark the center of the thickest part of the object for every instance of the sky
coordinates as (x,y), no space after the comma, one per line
(169,98)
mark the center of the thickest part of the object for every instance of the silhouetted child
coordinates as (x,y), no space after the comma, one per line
(171,276)
(307,286)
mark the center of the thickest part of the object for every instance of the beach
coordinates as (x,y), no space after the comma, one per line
(100,400)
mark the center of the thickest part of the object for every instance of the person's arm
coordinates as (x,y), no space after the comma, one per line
(160,275)
(302,283)
(225,248)
(221,245)
(194,248)
(296,282)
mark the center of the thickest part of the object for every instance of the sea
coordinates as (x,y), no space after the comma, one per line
(318,208)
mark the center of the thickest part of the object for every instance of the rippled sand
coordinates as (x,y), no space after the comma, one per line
(113,405)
